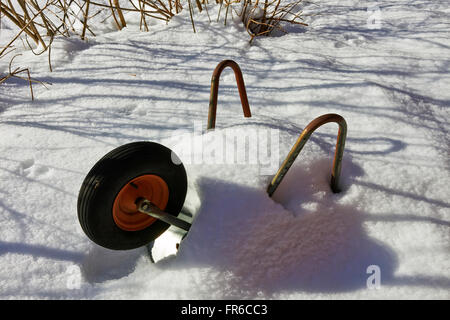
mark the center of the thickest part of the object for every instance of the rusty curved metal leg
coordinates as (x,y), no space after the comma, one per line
(215,90)
(301,141)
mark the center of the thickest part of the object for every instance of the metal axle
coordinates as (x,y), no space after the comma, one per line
(150,209)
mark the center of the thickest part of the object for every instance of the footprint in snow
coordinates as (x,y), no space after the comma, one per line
(30,169)
(350,41)
(126,110)
(339,44)
(26,164)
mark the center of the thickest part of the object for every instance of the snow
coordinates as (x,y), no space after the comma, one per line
(390,82)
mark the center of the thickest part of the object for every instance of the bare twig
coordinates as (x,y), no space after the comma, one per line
(85,22)
(190,13)
(119,12)
(14,74)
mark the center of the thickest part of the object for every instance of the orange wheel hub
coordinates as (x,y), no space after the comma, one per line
(125,211)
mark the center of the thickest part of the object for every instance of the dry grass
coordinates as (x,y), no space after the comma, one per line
(58,17)
(273,14)
(15,74)
(41,23)
(262,18)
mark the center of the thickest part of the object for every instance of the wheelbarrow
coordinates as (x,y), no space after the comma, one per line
(136,192)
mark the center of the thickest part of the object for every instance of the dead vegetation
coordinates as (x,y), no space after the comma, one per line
(39,21)
(15,74)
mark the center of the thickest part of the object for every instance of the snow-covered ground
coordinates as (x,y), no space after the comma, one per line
(389,80)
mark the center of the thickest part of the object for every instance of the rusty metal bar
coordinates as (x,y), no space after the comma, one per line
(298,146)
(215,90)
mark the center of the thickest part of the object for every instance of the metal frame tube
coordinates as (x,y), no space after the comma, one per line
(301,141)
(215,90)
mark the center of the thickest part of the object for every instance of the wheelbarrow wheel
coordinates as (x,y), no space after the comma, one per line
(107,208)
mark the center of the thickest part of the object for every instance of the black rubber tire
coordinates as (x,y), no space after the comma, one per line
(107,178)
